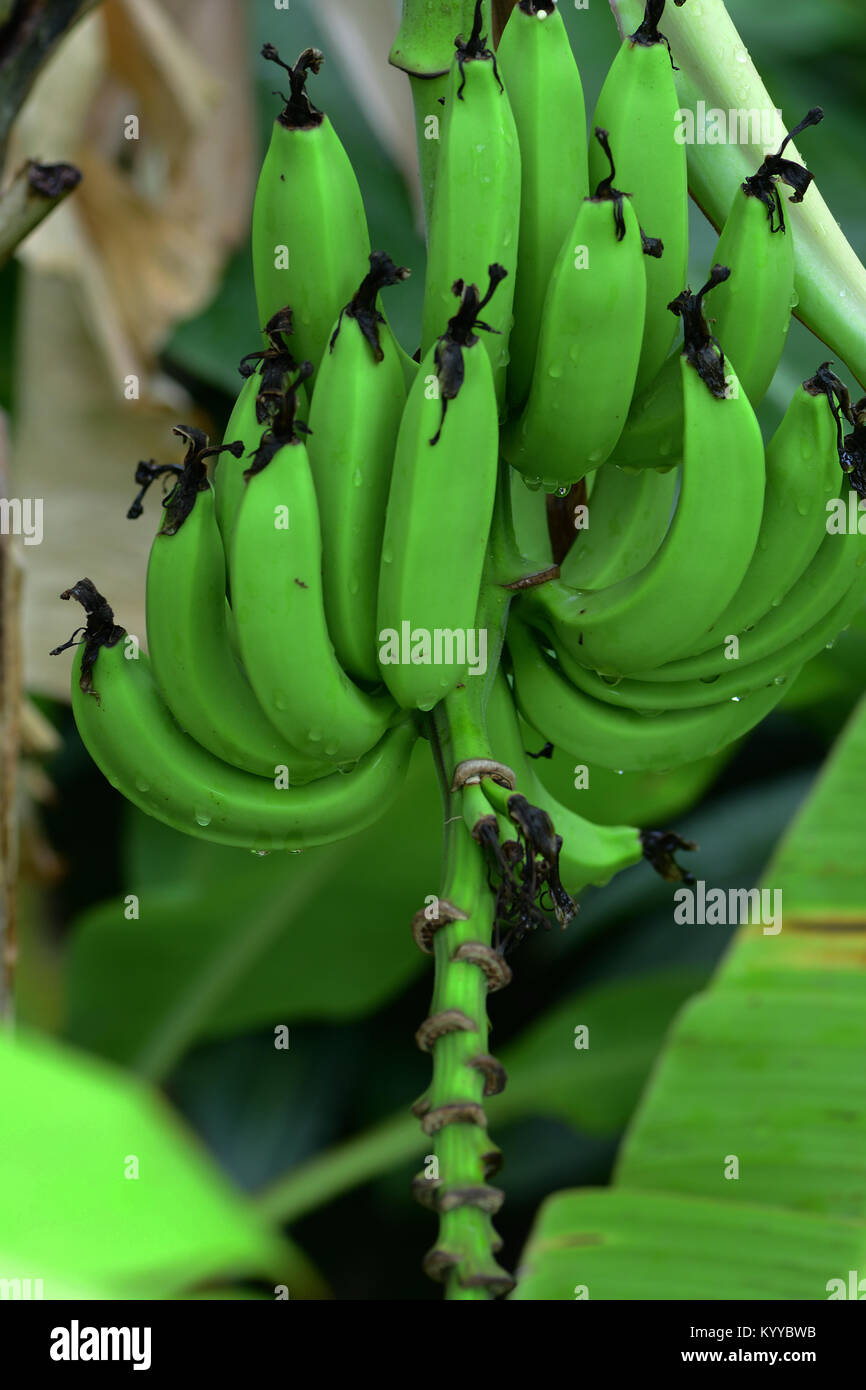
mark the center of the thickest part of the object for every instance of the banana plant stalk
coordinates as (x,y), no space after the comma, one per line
(715,67)
(423,49)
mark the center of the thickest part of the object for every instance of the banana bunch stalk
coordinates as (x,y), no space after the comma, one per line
(365,560)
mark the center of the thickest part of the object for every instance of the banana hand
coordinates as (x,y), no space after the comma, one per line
(130,734)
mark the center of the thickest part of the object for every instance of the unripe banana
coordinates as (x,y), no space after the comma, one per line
(266,376)
(189,641)
(439,509)
(823,584)
(530,519)
(590,854)
(543,85)
(309,227)
(595,732)
(627,519)
(583,380)
(750,312)
(130,734)
(656,615)
(653,433)
(802,477)
(357,405)
(275,572)
(228,481)
(739,678)
(476,203)
(638,107)
(753,309)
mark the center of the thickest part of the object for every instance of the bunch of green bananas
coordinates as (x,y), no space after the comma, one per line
(295,599)
(369,560)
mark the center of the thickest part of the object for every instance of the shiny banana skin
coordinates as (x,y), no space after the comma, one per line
(543,84)
(476,204)
(529,512)
(357,406)
(591,854)
(440,507)
(258,400)
(583,380)
(823,584)
(628,516)
(638,107)
(308,201)
(275,572)
(130,734)
(228,475)
(653,433)
(752,310)
(595,732)
(657,614)
(192,656)
(739,677)
(802,477)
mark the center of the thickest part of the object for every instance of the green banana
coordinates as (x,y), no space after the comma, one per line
(309,231)
(802,476)
(423,49)
(228,481)
(823,584)
(590,854)
(529,515)
(439,510)
(189,640)
(738,679)
(275,572)
(753,309)
(130,734)
(266,375)
(657,614)
(621,738)
(357,405)
(653,433)
(582,383)
(627,519)
(543,85)
(638,106)
(476,204)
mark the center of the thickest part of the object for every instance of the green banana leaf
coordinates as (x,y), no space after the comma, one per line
(76,1212)
(743,1174)
(625,1245)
